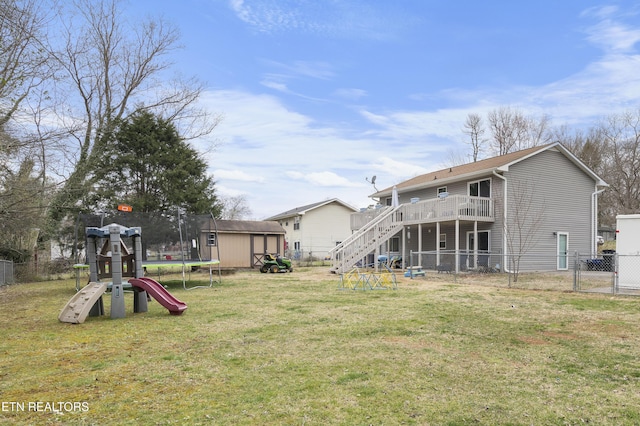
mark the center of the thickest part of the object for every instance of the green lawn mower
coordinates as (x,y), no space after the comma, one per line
(275,263)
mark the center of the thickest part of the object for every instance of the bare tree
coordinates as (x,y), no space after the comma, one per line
(236,208)
(621,168)
(587,145)
(511,130)
(25,68)
(526,214)
(539,129)
(507,129)
(112,70)
(473,127)
(22,59)
(454,157)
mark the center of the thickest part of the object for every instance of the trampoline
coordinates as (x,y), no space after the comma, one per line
(171,240)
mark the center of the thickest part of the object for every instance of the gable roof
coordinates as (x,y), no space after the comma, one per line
(249,226)
(487,166)
(304,209)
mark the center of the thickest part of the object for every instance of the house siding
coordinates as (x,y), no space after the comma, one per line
(561,193)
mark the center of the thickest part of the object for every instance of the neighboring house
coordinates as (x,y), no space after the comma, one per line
(459,216)
(240,243)
(313,230)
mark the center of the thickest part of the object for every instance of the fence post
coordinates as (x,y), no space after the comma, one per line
(576,266)
(615,277)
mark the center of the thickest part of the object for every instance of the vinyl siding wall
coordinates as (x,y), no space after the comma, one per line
(561,192)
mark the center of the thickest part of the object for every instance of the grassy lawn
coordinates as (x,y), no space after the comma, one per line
(293,349)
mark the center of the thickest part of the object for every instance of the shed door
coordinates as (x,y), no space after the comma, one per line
(563,250)
(262,244)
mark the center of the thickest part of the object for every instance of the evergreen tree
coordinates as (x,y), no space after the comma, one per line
(147,165)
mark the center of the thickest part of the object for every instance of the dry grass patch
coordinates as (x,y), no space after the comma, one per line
(293,349)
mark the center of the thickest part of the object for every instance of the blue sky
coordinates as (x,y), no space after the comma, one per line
(317,95)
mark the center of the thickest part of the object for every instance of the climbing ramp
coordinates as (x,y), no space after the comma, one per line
(78,308)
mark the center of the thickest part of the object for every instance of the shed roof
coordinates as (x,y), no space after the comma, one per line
(304,209)
(249,226)
(499,163)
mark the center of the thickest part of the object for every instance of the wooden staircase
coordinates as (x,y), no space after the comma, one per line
(365,241)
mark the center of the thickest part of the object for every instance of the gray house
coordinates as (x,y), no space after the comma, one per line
(535,207)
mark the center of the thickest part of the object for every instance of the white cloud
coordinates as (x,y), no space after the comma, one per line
(321,70)
(272,84)
(236,175)
(398,170)
(325,179)
(350,94)
(226,192)
(328,18)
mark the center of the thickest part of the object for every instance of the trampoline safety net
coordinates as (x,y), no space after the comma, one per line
(165,236)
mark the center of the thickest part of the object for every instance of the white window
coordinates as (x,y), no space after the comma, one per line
(296,223)
(211,239)
(443,241)
(480,188)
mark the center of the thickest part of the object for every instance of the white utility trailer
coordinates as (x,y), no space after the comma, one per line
(628,250)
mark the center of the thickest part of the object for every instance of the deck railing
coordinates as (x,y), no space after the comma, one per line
(453,207)
(374,227)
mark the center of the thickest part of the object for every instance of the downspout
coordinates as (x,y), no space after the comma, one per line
(594,221)
(505,260)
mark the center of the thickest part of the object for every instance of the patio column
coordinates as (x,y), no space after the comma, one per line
(376,253)
(457,254)
(475,244)
(437,244)
(404,245)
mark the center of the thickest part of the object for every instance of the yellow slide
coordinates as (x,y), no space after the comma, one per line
(78,307)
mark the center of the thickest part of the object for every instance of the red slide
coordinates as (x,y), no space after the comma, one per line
(158,292)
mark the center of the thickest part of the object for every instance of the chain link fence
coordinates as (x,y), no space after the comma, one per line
(607,272)
(306,258)
(627,274)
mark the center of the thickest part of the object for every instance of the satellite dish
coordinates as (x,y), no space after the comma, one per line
(372,181)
